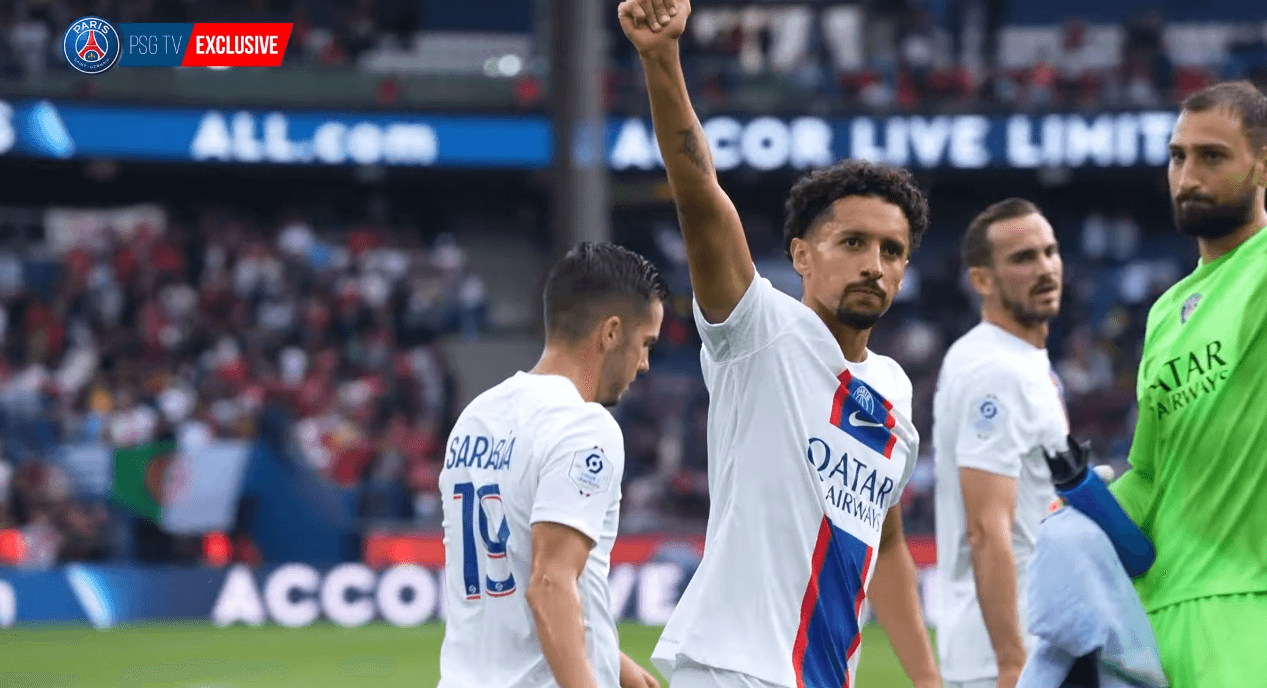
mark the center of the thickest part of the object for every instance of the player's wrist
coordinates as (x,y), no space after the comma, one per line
(1010,671)
(659,53)
(1009,678)
(926,676)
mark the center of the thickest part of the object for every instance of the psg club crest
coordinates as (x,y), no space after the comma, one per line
(1188,307)
(91,45)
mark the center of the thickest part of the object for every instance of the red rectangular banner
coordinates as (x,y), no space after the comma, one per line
(237,45)
(383,549)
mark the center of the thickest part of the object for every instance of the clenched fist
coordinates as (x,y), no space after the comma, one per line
(650,24)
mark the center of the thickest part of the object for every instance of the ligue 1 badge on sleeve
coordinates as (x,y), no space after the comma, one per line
(91,45)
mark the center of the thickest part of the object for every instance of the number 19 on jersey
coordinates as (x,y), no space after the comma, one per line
(481,507)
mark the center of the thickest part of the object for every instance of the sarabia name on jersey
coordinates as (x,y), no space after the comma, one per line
(489,453)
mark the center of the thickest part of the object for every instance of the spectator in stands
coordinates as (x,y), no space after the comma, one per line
(191,333)
(946,49)
(1149,71)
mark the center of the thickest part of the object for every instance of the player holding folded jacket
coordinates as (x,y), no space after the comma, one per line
(1198,482)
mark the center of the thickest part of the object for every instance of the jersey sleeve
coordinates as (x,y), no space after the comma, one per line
(896,498)
(903,398)
(580,476)
(902,401)
(994,434)
(1134,490)
(752,324)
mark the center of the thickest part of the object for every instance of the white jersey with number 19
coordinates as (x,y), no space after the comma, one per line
(807,451)
(529,450)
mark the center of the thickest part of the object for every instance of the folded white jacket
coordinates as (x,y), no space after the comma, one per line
(1081,602)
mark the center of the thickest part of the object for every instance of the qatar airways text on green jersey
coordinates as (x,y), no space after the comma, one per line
(1198,479)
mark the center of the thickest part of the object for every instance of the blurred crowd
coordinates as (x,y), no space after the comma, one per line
(139,331)
(815,56)
(917,55)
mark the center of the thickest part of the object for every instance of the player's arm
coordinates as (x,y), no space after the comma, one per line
(1135,490)
(578,486)
(995,432)
(989,501)
(559,554)
(717,251)
(894,596)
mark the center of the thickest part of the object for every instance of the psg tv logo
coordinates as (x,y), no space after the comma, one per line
(91,45)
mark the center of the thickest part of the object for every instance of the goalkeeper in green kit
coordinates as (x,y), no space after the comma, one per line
(1198,480)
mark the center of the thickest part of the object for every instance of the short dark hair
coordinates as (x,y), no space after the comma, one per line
(590,281)
(1241,97)
(977,251)
(816,191)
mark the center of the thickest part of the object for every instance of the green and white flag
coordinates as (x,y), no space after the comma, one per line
(185,492)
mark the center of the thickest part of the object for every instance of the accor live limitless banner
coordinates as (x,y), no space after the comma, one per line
(313,137)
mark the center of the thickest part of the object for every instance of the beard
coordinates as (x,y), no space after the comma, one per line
(1212,220)
(610,402)
(609,396)
(1024,314)
(610,387)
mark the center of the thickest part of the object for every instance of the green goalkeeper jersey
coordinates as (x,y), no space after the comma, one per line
(1198,480)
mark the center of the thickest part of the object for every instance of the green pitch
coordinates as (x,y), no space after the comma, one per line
(198,655)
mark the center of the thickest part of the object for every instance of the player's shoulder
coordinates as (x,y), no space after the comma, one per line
(577,431)
(558,418)
(965,356)
(551,414)
(540,402)
(981,357)
(793,315)
(586,417)
(1167,308)
(555,403)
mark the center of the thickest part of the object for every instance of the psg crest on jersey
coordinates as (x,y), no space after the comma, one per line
(1188,307)
(91,45)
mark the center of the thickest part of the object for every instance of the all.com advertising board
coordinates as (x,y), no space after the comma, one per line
(295,594)
(62,130)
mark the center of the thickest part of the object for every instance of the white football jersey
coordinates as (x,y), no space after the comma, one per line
(997,405)
(526,451)
(806,453)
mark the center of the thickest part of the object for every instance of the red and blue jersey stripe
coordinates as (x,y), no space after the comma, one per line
(864,414)
(829,634)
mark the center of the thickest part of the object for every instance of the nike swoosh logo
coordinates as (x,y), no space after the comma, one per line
(857,423)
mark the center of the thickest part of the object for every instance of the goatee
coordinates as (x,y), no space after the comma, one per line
(857,320)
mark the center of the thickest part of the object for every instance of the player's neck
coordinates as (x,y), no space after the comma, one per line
(1035,335)
(853,343)
(1213,248)
(568,364)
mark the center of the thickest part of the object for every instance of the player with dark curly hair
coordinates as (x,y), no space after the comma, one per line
(810,441)
(806,211)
